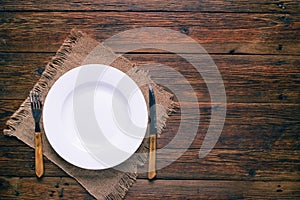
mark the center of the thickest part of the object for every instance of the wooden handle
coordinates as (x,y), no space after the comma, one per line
(152,157)
(39,164)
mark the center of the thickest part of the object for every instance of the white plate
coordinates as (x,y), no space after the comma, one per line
(95,116)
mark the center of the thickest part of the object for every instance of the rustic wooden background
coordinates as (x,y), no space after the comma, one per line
(254,43)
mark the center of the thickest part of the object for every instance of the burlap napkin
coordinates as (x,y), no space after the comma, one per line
(79,49)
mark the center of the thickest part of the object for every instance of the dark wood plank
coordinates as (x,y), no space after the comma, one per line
(230,165)
(216,32)
(206,189)
(247,79)
(247,126)
(255,79)
(220,164)
(263,6)
(21,70)
(67,188)
(46,188)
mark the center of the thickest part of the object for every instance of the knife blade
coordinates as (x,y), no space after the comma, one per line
(152,135)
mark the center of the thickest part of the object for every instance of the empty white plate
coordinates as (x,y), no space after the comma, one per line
(95,116)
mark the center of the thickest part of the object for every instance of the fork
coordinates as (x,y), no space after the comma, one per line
(36,107)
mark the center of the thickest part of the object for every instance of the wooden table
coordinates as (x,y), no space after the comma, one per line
(255,45)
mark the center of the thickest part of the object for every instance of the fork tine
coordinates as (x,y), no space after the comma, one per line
(34,99)
(31,96)
(39,101)
(34,96)
(31,100)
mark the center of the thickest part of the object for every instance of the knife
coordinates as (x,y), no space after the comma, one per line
(152,135)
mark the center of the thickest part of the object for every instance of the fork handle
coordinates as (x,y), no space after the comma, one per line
(39,164)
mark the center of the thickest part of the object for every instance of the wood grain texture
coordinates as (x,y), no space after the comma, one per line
(263,6)
(220,164)
(67,188)
(216,32)
(45,188)
(202,189)
(254,44)
(276,128)
(247,79)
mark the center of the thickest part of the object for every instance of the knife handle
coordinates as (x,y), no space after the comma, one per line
(152,157)
(39,164)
